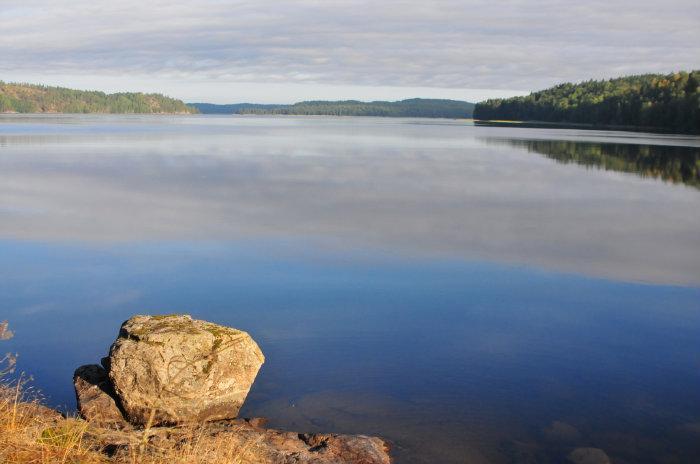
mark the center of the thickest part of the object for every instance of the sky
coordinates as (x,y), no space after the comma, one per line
(283,51)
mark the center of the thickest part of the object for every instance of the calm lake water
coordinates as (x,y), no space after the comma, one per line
(472,294)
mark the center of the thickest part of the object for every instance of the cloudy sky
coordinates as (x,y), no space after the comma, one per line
(288,50)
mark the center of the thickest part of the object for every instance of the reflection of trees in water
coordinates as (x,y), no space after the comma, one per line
(670,163)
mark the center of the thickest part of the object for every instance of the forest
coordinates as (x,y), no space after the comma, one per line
(669,103)
(415,107)
(29,98)
(232,108)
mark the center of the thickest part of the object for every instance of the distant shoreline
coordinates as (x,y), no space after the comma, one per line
(57,113)
(568,125)
(476,122)
(413,107)
(445,118)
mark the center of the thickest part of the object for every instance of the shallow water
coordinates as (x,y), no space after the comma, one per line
(459,290)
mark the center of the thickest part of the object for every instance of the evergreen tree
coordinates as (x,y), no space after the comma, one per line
(653,101)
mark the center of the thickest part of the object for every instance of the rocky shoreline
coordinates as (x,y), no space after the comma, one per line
(166,375)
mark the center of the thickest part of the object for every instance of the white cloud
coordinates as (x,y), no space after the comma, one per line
(213,45)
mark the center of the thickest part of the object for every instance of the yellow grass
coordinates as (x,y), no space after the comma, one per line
(32,433)
(29,433)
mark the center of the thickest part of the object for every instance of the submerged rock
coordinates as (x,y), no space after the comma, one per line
(589,456)
(562,431)
(175,369)
(95,396)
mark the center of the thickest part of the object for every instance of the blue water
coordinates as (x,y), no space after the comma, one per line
(404,278)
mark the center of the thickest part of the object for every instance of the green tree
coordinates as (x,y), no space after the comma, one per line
(652,101)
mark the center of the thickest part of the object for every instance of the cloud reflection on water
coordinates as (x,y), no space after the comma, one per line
(404,187)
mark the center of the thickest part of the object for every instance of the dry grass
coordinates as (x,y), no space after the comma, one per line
(32,433)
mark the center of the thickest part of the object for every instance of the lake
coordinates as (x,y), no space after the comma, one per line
(472,294)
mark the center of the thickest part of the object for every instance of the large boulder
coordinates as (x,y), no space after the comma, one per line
(175,369)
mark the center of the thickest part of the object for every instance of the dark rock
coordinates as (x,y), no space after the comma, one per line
(258,422)
(96,399)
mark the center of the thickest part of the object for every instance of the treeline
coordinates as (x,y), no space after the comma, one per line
(28,98)
(233,108)
(652,101)
(415,107)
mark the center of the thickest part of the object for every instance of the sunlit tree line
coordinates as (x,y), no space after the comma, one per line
(27,98)
(670,102)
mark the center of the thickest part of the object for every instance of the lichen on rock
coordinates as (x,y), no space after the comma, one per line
(174,369)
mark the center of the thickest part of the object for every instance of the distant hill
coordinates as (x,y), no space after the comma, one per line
(28,98)
(651,101)
(234,108)
(415,107)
